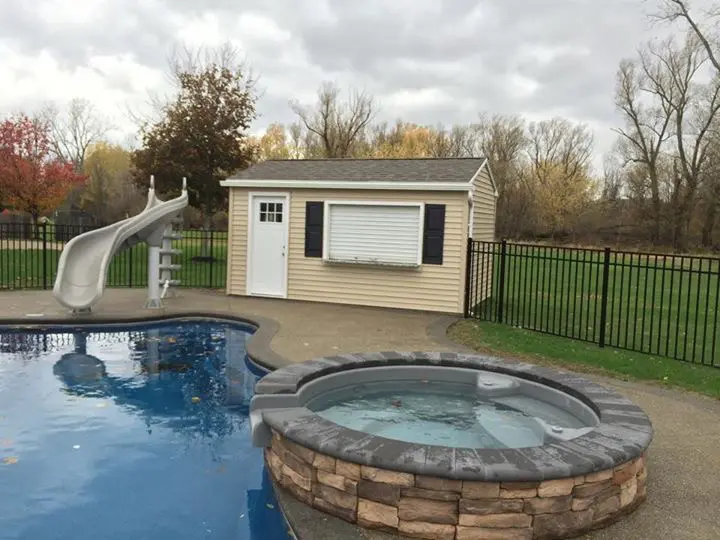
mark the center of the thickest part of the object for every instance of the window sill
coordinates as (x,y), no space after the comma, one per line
(376,264)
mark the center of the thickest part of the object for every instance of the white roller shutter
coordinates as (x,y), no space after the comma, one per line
(379,234)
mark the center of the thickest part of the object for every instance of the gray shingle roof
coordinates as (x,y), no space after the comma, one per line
(364,170)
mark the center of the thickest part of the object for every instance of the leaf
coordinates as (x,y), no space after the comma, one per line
(10,460)
(31,178)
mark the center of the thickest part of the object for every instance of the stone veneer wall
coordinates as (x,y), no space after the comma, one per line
(442,509)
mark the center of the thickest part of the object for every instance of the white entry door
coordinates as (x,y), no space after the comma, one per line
(267,245)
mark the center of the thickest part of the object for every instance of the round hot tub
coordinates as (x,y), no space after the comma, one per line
(444,445)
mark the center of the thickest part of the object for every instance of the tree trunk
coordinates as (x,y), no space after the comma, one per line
(35,229)
(656,214)
(708,228)
(205,249)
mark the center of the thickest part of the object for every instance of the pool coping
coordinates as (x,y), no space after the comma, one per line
(258,346)
(624,432)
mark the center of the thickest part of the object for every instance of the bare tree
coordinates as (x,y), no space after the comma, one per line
(612,180)
(647,125)
(559,142)
(710,194)
(295,131)
(74,130)
(559,152)
(708,38)
(681,10)
(458,141)
(695,108)
(503,141)
(338,125)
(670,113)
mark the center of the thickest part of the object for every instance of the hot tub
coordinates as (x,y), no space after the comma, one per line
(444,445)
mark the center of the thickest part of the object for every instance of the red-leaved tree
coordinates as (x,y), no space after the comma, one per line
(32,180)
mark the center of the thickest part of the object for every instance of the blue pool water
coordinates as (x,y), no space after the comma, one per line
(135,432)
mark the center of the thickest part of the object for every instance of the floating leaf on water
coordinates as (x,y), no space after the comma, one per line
(270,506)
(76,446)
(10,460)
(195,399)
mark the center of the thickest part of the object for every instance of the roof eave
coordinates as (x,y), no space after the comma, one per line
(345,184)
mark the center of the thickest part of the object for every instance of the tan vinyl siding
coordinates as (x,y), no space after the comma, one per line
(484,207)
(237,242)
(432,287)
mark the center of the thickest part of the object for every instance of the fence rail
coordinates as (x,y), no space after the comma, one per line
(29,257)
(654,303)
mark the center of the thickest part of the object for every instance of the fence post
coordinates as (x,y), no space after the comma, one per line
(44,254)
(604,296)
(468,276)
(501,285)
(130,266)
(212,260)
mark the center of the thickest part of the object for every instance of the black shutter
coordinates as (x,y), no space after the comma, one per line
(314,228)
(433,234)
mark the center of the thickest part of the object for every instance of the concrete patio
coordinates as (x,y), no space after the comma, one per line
(683,461)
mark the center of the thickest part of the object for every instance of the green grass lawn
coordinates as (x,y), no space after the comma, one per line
(500,339)
(663,305)
(35,268)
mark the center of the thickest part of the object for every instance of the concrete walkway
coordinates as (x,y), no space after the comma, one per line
(683,460)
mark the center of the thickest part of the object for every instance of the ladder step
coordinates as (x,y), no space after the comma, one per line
(170,266)
(173,236)
(171,281)
(170,251)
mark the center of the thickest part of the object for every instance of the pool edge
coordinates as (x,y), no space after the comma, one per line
(258,346)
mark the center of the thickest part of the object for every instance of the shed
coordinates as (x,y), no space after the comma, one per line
(373,232)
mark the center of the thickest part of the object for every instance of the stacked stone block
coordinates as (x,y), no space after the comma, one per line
(444,509)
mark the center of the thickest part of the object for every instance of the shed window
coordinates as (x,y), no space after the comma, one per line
(374,233)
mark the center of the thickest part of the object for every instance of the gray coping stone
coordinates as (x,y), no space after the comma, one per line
(623,434)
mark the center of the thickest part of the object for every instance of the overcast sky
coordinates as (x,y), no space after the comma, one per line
(426,61)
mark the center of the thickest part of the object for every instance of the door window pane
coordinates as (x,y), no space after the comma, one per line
(271,212)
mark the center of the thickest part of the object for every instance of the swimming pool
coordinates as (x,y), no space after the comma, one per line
(131,431)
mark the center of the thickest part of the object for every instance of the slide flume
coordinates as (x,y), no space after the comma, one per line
(83,265)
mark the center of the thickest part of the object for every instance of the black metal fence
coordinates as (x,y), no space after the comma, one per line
(654,303)
(29,256)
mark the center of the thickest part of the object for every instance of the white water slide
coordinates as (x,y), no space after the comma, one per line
(84,262)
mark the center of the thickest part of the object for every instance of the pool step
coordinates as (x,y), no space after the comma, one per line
(170,281)
(173,236)
(170,266)
(170,251)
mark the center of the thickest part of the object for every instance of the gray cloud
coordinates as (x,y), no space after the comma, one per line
(466,50)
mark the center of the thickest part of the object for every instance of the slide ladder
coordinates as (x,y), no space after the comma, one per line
(161,265)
